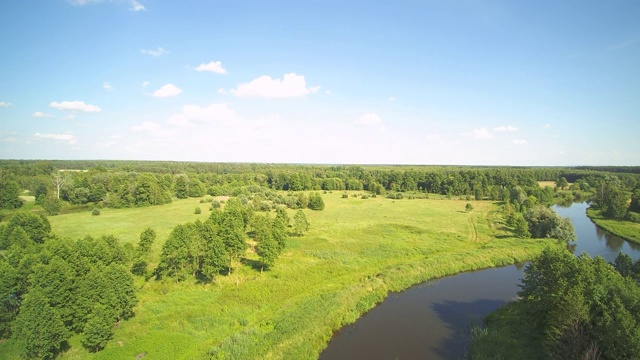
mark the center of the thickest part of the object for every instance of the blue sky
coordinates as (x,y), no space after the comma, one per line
(366,82)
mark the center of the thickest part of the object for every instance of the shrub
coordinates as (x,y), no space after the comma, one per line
(633,217)
(95,212)
(198,210)
(345,196)
(364,196)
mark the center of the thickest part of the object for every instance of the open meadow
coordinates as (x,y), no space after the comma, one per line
(356,251)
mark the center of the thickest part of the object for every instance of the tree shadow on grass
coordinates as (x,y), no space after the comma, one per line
(459,316)
(254,264)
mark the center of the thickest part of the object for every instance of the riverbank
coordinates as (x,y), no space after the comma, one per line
(627,230)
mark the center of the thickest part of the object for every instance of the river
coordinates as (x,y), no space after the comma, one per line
(431,320)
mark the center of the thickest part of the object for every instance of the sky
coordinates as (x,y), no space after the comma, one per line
(469,82)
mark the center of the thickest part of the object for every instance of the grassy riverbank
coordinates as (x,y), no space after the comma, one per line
(355,253)
(625,229)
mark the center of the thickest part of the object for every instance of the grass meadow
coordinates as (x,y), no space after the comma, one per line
(356,251)
(625,229)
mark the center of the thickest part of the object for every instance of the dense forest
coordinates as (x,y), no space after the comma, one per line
(52,288)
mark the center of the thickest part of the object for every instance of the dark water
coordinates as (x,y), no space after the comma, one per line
(431,320)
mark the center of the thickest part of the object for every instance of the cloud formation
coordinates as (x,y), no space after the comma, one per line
(4,104)
(505,128)
(479,134)
(107,86)
(74,106)
(66,138)
(214,66)
(291,85)
(41,115)
(158,52)
(520,141)
(196,114)
(152,128)
(167,90)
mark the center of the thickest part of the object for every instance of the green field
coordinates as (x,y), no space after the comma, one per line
(355,253)
(625,229)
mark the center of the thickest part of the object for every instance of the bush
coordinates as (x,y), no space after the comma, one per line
(364,196)
(215,204)
(198,210)
(345,196)
(95,212)
(633,217)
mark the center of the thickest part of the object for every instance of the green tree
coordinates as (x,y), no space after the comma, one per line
(182,186)
(279,233)
(120,282)
(215,257)
(57,282)
(635,201)
(9,293)
(36,226)
(147,238)
(315,201)
(468,207)
(615,202)
(281,213)
(51,204)
(520,226)
(99,328)
(232,235)
(562,183)
(9,195)
(300,223)
(38,329)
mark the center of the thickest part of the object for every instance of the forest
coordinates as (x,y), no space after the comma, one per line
(63,295)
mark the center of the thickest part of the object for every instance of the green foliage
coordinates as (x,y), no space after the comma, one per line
(300,223)
(198,210)
(38,328)
(577,304)
(147,238)
(99,328)
(562,183)
(51,204)
(279,233)
(95,212)
(315,201)
(37,227)
(182,186)
(545,223)
(9,192)
(468,207)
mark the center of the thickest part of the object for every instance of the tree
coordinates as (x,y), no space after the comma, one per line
(9,292)
(36,226)
(468,207)
(215,257)
(51,204)
(281,213)
(562,183)
(182,186)
(99,328)
(232,235)
(635,201)
(315,201)
(279,233)
(268,251)
(300,223)
(9,195)
(545,223)
(615,202)
(147,238)
(58,181)
(38,328)
(520,226)
(120,282)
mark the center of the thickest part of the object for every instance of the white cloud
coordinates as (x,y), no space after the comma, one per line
(152,128)
(196,114)
(107,86)
(328,92)
(167,90)
(479,134)
(222,91)
(74,106)
(68,138)
(505,128)
(314,89)
(145,83)
(4,104)
(392,98)
(214,66)
(134,4)
(369,119)
(291,85)
(158,52)
(40,115)
(546,126)
(520,141)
